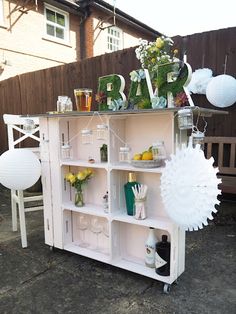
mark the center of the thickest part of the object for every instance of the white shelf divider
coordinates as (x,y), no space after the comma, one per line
(90,209)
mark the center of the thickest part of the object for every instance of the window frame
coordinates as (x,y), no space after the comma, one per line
(111,38)
(66,39)
(2,18)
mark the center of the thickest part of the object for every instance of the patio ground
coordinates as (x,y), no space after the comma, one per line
(37,280)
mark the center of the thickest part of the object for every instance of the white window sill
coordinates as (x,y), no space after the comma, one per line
(57,41)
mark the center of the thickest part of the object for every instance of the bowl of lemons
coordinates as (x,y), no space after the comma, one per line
(145,160)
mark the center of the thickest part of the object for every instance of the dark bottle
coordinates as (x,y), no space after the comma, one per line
(162,257)
(129,194)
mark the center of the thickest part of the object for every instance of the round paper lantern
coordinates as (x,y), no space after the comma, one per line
(221,91)
(189,188)
(19,169)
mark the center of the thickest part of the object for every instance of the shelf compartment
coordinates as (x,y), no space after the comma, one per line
(154,205)
(138,266)
(163,223)
(84,163)
(93,190)
(90,209)
(99,256)
(70,133)
(129,167)
(80,236)
(128,248)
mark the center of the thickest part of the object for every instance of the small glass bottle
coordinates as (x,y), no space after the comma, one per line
(103,153)
(124,154)
(162,257)
(129,194)
(150,248)
(87,136)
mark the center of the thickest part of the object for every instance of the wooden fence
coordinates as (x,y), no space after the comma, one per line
(36,92)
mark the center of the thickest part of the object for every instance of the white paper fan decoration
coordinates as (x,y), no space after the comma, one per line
(189,188)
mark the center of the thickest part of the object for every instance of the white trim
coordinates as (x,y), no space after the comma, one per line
(117,41)
(66,29)
(2,19)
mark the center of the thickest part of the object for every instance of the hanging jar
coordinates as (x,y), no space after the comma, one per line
(185,119)
(124,154)
(198,139)
(29,126)
(102,132)
(66,151)
(87,136)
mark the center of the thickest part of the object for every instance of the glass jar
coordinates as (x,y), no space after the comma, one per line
(29,126)
(158,150)
(124,154)
(139,209)
(61,103)
(185,119)
(198,139)
(66,151)
(69,105)
(102,132)
(87,136)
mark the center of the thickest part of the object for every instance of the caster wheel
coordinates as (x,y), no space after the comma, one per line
(166,288)
(51,248)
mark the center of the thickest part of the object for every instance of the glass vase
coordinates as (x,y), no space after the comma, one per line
(79,201)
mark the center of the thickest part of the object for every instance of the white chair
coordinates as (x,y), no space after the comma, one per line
(19,129)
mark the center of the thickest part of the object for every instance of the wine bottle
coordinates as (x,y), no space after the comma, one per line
(129,194)
(150,248)
(162,257)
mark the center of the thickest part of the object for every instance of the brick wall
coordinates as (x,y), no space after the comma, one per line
(24,46)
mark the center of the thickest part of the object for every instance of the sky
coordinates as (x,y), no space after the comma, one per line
(181,17)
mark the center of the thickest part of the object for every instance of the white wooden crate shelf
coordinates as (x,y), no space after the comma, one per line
(125,246)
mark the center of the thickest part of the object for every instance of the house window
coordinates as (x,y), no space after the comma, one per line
(1,13)
(114,39)
(57,24)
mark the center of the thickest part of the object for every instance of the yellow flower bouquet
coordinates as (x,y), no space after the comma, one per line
(78,180)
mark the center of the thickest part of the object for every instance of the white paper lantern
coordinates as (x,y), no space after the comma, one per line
(19,169)
(189,188)
(221,91)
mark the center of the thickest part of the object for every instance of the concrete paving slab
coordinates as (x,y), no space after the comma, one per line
(37,280)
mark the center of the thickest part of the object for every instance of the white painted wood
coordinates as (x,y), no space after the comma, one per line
(124,247)
(16,135)
(46,182)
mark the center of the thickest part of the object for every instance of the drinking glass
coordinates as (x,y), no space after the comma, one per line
(96,227)
(83,224)
(105,229)
(83,99)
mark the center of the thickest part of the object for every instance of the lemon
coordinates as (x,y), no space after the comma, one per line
(147,155)
(137,157)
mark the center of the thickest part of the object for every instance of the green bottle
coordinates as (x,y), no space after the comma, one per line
(129,194)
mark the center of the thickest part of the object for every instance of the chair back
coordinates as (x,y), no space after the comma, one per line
(20,129)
